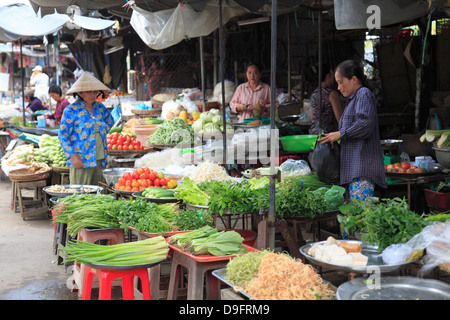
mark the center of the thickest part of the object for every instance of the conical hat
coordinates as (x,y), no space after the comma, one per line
(87,82)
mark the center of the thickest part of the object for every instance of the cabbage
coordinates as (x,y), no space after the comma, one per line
(206,117)
(211,128)
(197,126)
(215,112)
(217,119)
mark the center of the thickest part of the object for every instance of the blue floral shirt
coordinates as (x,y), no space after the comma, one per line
(77,131)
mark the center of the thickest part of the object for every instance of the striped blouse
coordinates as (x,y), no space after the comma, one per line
(361,154)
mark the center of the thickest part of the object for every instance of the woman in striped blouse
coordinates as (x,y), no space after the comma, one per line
(361,163)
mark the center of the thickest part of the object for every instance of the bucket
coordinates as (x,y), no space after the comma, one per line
(41,122)
(143,132)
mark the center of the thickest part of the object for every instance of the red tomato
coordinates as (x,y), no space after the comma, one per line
(114,146)
(156,182)
(152,176)
(405,165)
(144,175)
(135,175)
(130,147)
(163,181)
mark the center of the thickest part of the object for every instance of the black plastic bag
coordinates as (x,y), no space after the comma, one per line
(325,161)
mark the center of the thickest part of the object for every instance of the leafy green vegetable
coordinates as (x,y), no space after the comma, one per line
(189,192)
(218,244)
(193,219)
(383,223)
(334,198)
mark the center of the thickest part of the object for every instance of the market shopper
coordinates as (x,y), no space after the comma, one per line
(361,162)
(34,103)
(55,93)
(331,106)
(251,94)
(84,126)
(39,81)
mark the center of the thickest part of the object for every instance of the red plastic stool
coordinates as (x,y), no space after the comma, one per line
(106,277)
(113,235)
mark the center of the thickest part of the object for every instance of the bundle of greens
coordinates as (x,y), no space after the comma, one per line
(236,197)
(193,219)
(218,244)
(181,239)
(333,197)
(381,223)
(189,192)
(146,251)
(145,216)
(172,131)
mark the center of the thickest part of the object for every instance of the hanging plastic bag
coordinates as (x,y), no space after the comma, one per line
(293,167)
(116,113)
(325,161)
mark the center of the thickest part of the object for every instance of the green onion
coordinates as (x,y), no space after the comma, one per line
(146,251)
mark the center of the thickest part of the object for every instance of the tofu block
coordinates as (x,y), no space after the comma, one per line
(358,258)
(345,260)
(332,251)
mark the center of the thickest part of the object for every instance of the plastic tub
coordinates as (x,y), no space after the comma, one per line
(298,143)
(436,199)
(143,132)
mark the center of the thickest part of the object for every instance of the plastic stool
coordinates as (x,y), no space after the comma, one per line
(106,278)
(198,272)
(113,235)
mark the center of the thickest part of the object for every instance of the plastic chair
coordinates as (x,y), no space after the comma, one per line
(107,276)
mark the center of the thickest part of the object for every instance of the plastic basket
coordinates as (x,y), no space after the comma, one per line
(440,200)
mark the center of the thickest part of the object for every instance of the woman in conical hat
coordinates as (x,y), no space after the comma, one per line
(84,126)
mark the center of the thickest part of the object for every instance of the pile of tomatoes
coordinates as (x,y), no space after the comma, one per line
(117,141)
(142,178)
(403,167)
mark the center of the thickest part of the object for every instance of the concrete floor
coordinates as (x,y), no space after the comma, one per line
(28,268)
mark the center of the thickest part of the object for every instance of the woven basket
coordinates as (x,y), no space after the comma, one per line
(25,175)
(147,113)
(114,152)
(61,169)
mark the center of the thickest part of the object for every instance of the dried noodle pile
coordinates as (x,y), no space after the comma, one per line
(280,277)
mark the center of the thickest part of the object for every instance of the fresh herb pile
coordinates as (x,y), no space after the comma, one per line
(381,223)
(187,219)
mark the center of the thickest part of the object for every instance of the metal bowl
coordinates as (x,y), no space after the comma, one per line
(443,157)
(76,187)
(374,260)
(112,175)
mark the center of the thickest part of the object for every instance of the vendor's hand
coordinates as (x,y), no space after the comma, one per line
(76,162)
(330,137)
(241,107)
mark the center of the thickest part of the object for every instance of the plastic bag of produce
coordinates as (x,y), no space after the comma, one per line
(325,161)
(293,167)
(435,238)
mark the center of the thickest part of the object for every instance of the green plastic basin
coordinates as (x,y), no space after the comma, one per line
(298,143)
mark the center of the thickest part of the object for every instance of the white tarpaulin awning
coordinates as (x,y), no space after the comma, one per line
(165,28)
(19,20)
